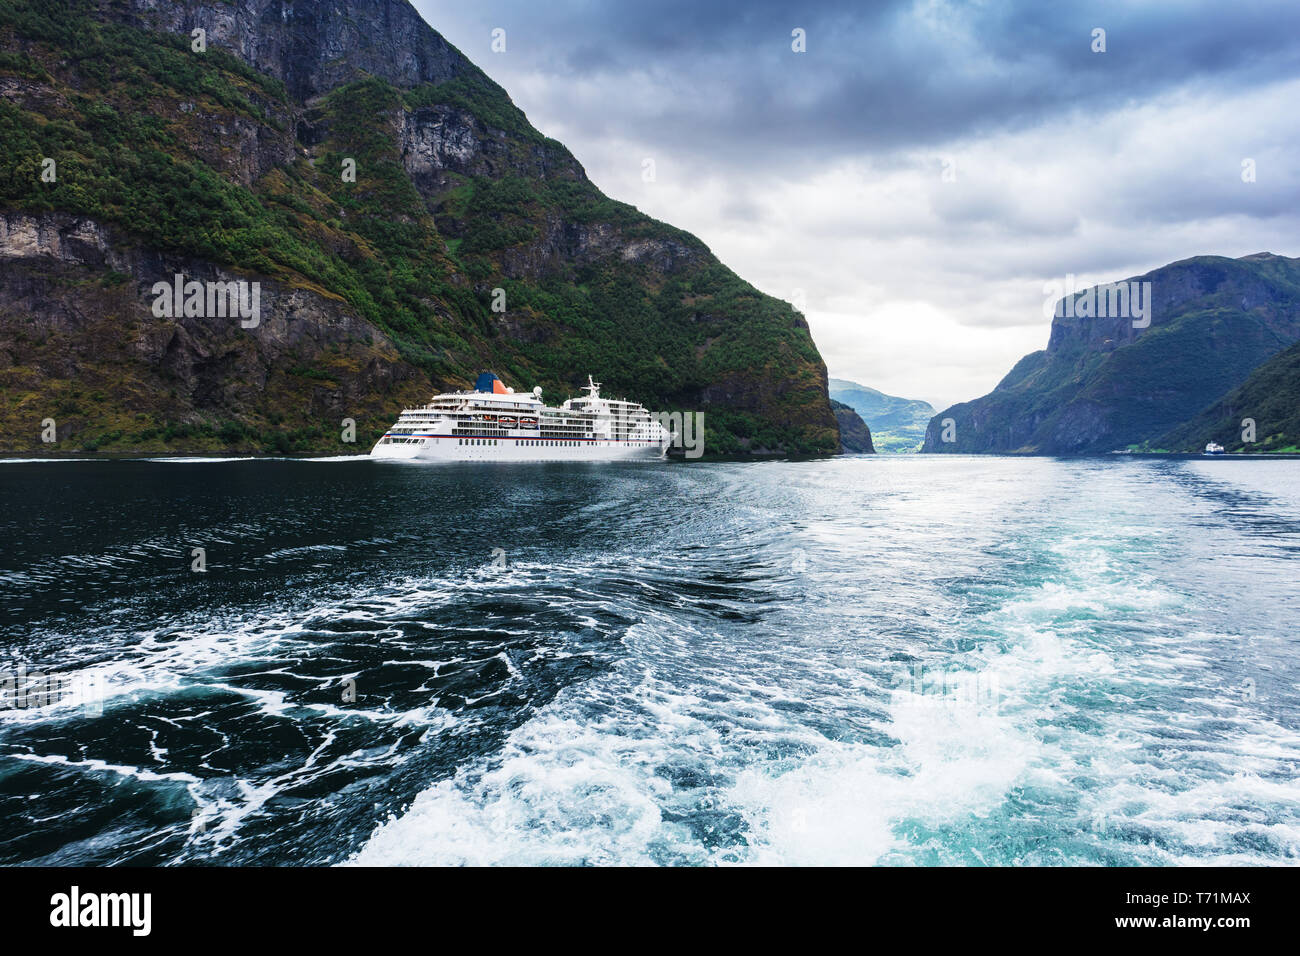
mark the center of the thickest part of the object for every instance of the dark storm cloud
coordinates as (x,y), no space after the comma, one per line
(722,78)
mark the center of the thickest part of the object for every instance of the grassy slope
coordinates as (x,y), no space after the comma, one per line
(1270,396)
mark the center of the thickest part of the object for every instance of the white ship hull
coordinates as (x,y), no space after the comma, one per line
(507,449)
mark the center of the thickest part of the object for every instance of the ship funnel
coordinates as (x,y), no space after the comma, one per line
(487,382)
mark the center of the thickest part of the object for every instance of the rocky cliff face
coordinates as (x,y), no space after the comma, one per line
(406,224)
(1109,382)
(311,47)
(855,436)
(87,351)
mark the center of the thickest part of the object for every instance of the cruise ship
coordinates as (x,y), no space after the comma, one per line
(495,423)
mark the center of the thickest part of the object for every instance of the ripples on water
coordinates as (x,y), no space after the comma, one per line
(930,660)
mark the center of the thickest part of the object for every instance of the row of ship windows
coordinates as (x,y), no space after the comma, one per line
(479,428)
(522,441)
(550,444)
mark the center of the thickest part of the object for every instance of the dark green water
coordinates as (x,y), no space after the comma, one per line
(907,660)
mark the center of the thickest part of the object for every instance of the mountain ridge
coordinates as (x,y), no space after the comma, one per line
(1108,383)
(321,46)
(377,292)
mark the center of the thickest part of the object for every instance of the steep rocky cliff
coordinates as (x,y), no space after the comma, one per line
(855,436)
(1112,382)
(407,226)
(310,47)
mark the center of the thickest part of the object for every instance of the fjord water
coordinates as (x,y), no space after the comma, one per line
(907,660)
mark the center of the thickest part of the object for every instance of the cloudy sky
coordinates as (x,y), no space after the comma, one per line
(920,172)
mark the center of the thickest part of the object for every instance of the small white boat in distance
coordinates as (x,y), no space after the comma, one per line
(1214,448)
(494,423)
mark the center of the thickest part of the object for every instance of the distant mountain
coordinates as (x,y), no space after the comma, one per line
(855,436)
(1106,384)
(404,225)
(897,424)
(1270,398)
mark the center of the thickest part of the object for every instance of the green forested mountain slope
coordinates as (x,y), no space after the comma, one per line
(1270,398)
(231,164)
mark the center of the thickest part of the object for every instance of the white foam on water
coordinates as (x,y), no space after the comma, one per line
(578,805)
(192,657)
(101,766)
(634,768)
(849,805)
(1060,733)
